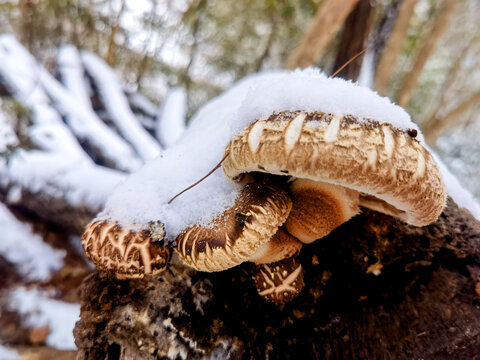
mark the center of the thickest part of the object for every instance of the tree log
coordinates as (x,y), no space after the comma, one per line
(423,302)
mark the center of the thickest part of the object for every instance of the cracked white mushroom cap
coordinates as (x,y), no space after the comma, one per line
(125,252)
(247,231)
(389,168)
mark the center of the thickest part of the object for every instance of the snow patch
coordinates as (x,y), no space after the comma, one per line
(8,138)
(144,196)
(116,104)
(19,245)
(457,192)
(171,120)
(59,175)
(8,354)
(39,310)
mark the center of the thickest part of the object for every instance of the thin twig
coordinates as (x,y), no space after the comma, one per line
(199,181)
(347,63)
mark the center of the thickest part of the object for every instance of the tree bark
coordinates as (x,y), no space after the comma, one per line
(328,20)
(441,24)
(434,127)
(423,304)
(393,47)
(354,37)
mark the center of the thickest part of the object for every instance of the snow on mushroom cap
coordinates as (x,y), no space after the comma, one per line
(144,196)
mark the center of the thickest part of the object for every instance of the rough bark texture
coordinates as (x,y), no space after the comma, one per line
(355,33)
(328,20)
(423,304)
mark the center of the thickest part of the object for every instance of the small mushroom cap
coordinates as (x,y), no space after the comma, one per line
(279,282)
(365,155)
(318,208)
(281,245)
(240,231)
(126,253)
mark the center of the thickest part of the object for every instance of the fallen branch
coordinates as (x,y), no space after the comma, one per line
(116,104)
(171,122)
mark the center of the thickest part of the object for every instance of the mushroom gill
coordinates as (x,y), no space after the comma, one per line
(242,232)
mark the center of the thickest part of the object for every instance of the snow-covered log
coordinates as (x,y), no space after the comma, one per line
(171,118)
(55,188)
(57,183)
(33,259)
(40,310)
(139,103)
(36,89)
(81,117)
(116,104)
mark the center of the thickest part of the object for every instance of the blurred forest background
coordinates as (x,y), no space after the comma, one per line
(423,54)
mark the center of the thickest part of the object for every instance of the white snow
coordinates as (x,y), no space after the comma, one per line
(459,194)
(38,311)
(116,104)
(8,354)
(32,257)
(61,176)
(171,121)
(76,106)
(144,196)
(7,134)
(22,74)
(140,102)
(72,74)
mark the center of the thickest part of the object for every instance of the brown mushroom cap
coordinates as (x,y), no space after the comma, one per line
(237,234)
(279,282)
(386,164)
(318,208)
(126,253)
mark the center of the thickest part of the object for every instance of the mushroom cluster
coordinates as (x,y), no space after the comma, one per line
(301,175)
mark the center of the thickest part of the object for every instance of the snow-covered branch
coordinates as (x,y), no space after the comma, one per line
(171,118)
(116,104)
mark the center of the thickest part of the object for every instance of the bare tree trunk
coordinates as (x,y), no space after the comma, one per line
(434,126)
(354,38)
(26,31)
(110,59)
(393,47)
(441,24)
(328,20)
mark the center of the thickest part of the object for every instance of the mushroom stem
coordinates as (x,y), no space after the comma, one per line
(318,208)
(281,246)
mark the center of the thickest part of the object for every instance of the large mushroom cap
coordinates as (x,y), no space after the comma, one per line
(126,253)
(236,235)
(386,165)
